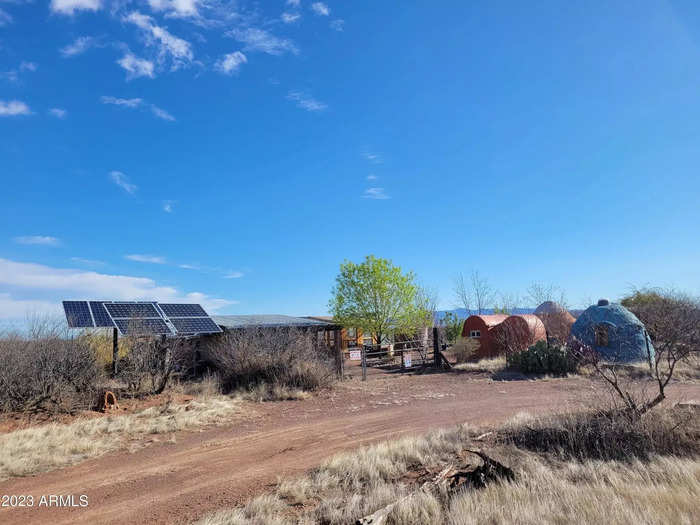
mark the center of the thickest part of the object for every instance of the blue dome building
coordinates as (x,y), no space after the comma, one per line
(614,332)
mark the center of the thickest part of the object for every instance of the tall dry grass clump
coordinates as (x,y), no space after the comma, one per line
(288,358)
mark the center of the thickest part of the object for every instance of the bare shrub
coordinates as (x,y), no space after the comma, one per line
(609,435)
(47,372)
(150,363)
(465,348)
(281,357)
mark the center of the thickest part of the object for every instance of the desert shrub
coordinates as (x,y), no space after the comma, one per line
(245,359)
(542,358)
(45,372)
(151,362)
(465,348)
(610,435)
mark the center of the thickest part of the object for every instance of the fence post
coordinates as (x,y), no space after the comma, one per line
(436,347)
(338,353)
(364,363)
(115,351)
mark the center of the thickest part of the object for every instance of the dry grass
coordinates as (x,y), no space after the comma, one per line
(496,364)
(264,392)
(548,488)
(52,446)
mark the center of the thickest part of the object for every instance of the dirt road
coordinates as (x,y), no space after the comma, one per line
(219,467)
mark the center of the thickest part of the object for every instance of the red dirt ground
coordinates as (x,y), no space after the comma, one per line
(221,467)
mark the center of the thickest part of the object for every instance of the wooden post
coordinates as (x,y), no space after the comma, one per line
(339,364)
(115,350)
(364,364)
(436,347)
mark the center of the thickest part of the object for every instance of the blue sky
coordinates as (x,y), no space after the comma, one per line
(234,153)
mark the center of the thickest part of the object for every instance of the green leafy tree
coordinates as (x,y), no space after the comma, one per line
(377,297)
(453,326)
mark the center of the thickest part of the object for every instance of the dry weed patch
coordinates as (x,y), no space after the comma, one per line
(52,446)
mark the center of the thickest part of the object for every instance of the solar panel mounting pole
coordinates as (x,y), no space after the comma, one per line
(115,350)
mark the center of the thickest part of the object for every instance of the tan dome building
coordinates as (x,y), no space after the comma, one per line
(556,319)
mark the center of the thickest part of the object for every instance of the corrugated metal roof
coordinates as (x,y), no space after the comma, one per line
(266,320)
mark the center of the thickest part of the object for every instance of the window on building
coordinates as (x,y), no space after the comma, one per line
(475,333)
(601,335)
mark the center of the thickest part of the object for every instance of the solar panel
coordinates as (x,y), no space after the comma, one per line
(78,314)
(195,325)
(182,310)
(142,326)
(100,315)
(132,310)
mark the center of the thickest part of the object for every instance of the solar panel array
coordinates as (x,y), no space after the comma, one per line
(140,317)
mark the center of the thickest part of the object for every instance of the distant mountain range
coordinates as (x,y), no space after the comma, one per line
(462,313)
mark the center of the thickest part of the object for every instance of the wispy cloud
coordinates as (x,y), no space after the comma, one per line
(338,25)
(290,18)
(36,287)
(306,101)
(43,240)
(28,66)
(58,113)
(69,7)
(5,18)
(12,108)
(126,102)
(13,75)
(371,177)
(121,180)
(168,206)
(375,193)
(233,275)
(161,113)
(134,103)
(230,63)
(294,3)
(177,49)
(152,259)
(176,8)
(320,9)
(261,40)
(136,67)
(374,158)
(87,262)
(188,266)
(78,47)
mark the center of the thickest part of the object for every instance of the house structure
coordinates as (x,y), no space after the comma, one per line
(557,321)
(480,327)
(516,333)
(614,332)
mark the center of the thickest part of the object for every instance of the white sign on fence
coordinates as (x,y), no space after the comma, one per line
(407,360)
(355,355)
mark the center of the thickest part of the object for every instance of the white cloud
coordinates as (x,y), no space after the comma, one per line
(121,180)
(260,40)
(371,177)
(188,266)
(233,275)
(89,262)
(231,63)
(127,102)
(168,206)
(375,193)
(338,25)
(43,240)
(179,50)
(289,18)
(176,8)
(69,7)
(11,76)
(5,18)
(78,47)
(320,9)
(374,158)
(161,113)
(43,287)
(136,67)
(58,113)
(28,66)
(305,101)
(153,259)
(294,3)
(13,107)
